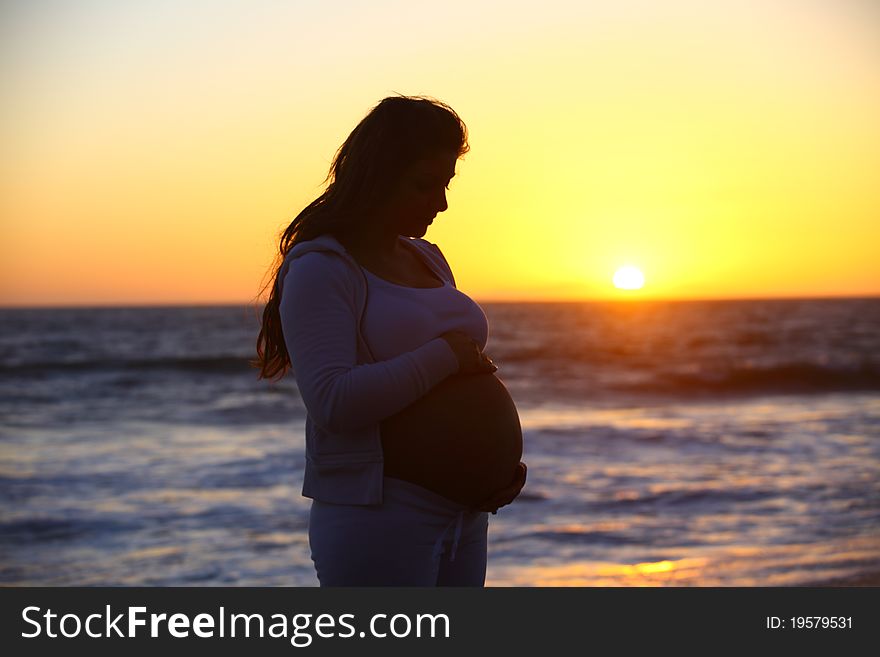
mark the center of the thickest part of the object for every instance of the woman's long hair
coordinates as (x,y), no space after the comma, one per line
(394,135)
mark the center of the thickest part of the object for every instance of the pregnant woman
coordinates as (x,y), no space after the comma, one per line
(411,439)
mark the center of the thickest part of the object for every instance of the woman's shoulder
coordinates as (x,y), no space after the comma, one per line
(316,270)
(433,251)
(313,259)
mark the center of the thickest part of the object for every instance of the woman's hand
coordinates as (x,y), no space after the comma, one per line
(506,495)
(471,360)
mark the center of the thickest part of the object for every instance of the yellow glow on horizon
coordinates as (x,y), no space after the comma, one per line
(629,278)
(731,149)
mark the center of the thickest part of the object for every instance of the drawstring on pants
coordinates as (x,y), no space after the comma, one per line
(438,546)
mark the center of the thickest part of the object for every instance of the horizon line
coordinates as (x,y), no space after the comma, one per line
(241,304)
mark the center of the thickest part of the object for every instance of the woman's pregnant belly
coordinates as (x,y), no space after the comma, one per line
(462,440)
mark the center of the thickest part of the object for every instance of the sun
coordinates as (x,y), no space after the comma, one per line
(629,278)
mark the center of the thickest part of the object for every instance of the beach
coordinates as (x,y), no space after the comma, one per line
(679,444)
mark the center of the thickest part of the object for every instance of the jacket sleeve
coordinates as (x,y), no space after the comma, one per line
(319,322)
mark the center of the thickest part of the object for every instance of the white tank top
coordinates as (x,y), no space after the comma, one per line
(398,318)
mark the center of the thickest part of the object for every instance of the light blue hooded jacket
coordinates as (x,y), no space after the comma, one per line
(347,393)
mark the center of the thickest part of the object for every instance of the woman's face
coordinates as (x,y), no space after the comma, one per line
(421,194)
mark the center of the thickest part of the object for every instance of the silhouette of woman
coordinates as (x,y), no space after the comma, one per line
(411,439)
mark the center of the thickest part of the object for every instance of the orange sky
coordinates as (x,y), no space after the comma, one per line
(153,151)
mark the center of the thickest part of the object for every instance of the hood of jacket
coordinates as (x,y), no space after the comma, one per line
(321,243)
(327,243)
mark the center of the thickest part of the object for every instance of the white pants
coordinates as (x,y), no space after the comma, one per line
(416,537)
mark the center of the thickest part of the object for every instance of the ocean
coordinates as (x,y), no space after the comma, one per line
(690,443)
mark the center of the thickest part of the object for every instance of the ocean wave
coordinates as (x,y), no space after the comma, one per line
(33,530)
(698,497)
(790,377)
(208,364)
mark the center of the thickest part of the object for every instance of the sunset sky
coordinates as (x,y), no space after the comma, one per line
(152,151)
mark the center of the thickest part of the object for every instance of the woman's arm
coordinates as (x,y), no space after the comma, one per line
(319,322)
